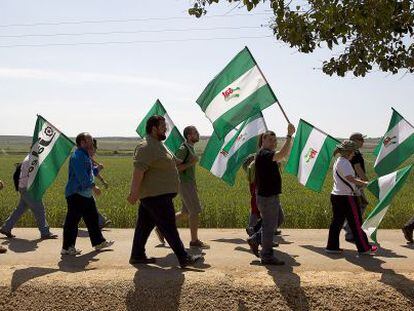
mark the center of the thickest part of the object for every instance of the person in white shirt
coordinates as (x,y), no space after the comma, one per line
(26,202)
(344,202)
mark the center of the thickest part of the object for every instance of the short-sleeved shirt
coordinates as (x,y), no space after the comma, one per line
(267,174)
(358,159)
(344,168)
(158,164)
(185,153)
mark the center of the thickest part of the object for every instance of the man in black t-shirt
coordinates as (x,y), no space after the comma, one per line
(268,188)
(358,164)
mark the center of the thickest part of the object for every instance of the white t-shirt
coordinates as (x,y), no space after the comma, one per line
(344,168)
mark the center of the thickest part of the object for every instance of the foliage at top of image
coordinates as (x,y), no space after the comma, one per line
(363,34)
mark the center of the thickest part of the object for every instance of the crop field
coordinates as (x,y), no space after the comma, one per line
(224,206)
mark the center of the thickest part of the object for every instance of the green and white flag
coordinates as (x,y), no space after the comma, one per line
(311,155)
(49,150)
(396,146)
(174,138)
(224,157)
(384,188)
(238,92)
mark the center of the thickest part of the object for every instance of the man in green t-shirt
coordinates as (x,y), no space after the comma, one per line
(191,207)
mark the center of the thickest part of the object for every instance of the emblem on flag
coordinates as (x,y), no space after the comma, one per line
(389,141)
(311,154)
(231,93)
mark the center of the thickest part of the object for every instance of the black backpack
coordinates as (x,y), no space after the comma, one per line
(16,176)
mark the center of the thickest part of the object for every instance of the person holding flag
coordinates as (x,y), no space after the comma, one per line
(27,202)
(268,188)
(191,206)
(155,183)
(344,202)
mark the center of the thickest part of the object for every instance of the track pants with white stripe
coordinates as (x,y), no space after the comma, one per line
(346,207)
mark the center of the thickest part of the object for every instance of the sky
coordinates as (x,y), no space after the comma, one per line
(146,49)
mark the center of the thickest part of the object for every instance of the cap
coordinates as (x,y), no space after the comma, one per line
(357,136)
(347,145)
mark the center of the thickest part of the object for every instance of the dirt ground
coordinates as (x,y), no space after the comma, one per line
(33,275)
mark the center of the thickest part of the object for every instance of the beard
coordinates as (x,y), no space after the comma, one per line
(161,137)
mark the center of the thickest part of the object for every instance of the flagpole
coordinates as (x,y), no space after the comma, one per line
(320,130)
(261,72)
(56,129)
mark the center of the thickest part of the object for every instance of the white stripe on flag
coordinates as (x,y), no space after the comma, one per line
(398,134)
(371,224)
(385,183)
(251,130)
(170,125)
(248,83)
(315,142)
(48,136)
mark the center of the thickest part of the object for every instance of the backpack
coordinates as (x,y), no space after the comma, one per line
(16,176)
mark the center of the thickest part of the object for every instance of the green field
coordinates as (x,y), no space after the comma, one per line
(224,206)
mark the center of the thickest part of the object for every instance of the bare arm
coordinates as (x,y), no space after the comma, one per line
(137,177)
(360,172)
(279,156)
(356,181)
(183,166)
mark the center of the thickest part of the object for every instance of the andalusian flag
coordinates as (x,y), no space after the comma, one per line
(174,138)
(396,146)
(384,188)
(238,92)
(224,157)
(49,150)
(311,155)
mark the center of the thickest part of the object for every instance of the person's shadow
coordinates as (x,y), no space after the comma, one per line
(288,282)
(158,286)
(69,264)
(19,245)
(389,277)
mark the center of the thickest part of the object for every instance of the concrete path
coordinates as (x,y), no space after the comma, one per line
(34,276)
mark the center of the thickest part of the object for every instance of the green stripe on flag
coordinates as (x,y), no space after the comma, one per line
(236,161)
(156,109)
(320,169)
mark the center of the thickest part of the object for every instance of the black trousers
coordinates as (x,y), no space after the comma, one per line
(157,211)
(80,207)
(410,224)
(346,207)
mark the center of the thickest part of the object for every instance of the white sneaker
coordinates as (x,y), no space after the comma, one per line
(103,245)
(71,251)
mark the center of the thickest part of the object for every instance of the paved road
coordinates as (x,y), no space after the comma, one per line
(303,250)
(33,275)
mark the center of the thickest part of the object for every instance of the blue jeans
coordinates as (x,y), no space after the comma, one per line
(38,209)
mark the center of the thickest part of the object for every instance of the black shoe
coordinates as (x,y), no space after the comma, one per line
(49,236)
(254,247)
(272,262)
(142,260)
(190,260)
(278,232)
(408,234)
(275,244)
(7,233)
(3,250)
